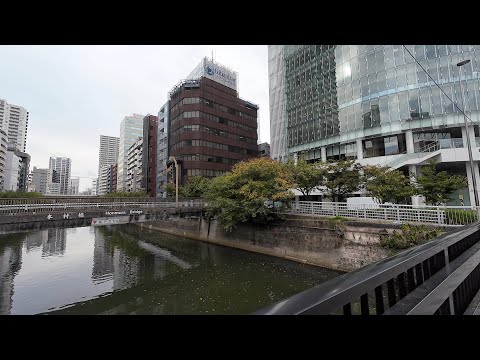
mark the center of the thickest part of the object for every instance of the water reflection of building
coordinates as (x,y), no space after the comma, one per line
(126,263)
(55,242)
(10,264)
(35,240)
(127,269)
(102,257)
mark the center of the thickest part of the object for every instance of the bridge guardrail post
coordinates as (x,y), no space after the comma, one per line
(439,218)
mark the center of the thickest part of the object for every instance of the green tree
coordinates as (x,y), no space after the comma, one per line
(170,189)
(387,185)
(342,179)
(306,177)
(195,187)
(436,186)
(254,191)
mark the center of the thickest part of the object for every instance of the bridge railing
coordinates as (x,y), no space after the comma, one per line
(130,203)
(440,215)
(439,277)
(82,200)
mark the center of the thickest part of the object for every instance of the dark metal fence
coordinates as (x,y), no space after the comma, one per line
(439,277)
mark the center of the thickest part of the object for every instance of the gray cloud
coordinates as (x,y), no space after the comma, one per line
(76,93)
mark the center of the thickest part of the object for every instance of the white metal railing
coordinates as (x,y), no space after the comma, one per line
(38,207)
(440,215)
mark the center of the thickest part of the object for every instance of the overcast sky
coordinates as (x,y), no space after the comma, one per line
(76,93)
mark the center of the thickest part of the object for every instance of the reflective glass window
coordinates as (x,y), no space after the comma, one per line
(398,55)
(362,62)
(411,74)
(409,58)
(389,60)
(391,145)
(433,70)
(382,81)
(372,83)
(472,103)
(371,63)
(441,50)
(391,79)
(430,51)
(414,104)
(403,106)
(436,101)
(419,52)
(383,106)
(364,85)
(393,107)
(422,77)
(425,102)
(401,81)
(380,60)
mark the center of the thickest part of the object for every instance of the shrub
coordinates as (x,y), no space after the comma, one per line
(460,216)
(410,235)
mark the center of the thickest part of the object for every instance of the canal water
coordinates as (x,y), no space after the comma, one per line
(124,269)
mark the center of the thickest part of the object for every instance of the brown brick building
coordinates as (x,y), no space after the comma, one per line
(149,155)
(211,128)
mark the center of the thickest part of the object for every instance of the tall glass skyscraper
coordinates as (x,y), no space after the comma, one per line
(131,129)
(375,104)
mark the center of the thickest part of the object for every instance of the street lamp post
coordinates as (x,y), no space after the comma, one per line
(469,145)
(176,179)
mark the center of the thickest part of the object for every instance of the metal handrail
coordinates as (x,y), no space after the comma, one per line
(338,292)
(39,207)
(439,215)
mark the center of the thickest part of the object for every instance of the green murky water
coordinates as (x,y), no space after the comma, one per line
(124,269)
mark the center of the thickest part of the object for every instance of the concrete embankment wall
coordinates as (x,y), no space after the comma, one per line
(339,245)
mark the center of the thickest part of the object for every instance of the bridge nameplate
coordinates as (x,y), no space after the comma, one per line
(110,221)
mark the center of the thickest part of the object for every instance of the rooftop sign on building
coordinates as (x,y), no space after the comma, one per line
(215,72)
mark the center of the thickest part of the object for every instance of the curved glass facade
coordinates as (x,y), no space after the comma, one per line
(338,94)
(381,89)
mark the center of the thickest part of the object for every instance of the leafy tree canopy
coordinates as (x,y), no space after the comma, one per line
(437,186)
(387,185)
(254,191)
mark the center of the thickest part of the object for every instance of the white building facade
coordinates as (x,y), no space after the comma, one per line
(14,121)
(74,185)
(60,168)
(134,166)
(162,149)
(108,151)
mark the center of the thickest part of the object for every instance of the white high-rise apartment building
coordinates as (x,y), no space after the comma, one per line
(107,156)
(131,129)
(134,166)
(60,167)
(3,156)
(11,173)
(74,185)
(14,121)
(105,180)
(108,153)
(94,187)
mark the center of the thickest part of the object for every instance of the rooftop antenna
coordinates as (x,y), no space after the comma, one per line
(212,55)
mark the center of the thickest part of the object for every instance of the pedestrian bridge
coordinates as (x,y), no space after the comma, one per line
(39,213)
(437,278)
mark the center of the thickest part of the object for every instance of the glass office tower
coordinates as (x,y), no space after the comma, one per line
(375,104)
